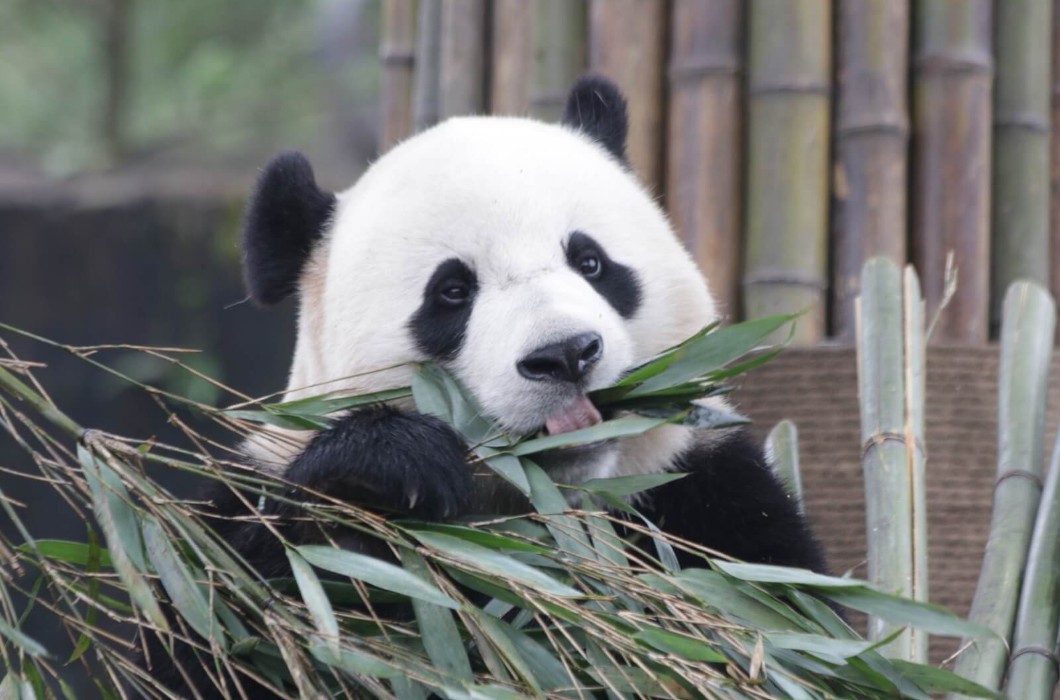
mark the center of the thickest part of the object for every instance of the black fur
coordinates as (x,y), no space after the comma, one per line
(732,502)
(596,107)
(285,217)
(615,282)
(438,326)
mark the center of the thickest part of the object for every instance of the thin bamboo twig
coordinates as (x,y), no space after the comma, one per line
(1022,31)
(782,448)
(627,43)
(872,142)
(786,214)
(397,52)
(704,187)
(1026,349)
(1032,668)
(884,432)
(952,76)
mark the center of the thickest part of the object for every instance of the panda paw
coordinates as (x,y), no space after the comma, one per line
(408,463)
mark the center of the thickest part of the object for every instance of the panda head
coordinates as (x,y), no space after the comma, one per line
(523,256)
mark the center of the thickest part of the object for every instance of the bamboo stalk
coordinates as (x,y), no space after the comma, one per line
(1032,674)
(951,164)
(398,57)
(559,54)
(426,99)
(1054,235)
(627,43)
(705,140)
(1023,31)
(513,56)
(785,259)
(462,70)
(1026,349)
(782,447)
(872,142)
(889,325)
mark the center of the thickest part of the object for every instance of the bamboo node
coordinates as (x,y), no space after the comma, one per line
(1021,474)
(1048,654)
(793,278)
(877,440)
(397,58)
(688,71)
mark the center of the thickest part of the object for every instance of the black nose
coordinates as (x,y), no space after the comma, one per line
(566,361)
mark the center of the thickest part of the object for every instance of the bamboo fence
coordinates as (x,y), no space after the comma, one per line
(790,140)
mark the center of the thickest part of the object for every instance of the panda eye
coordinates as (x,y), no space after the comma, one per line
(590,266)
(454,293)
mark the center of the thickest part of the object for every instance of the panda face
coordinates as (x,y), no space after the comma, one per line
(523,256)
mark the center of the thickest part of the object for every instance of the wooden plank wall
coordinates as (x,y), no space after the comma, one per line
(790,140)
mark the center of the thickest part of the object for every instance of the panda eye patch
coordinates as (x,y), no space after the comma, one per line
(454,292)
(590,267)
(615,282)
(439,324)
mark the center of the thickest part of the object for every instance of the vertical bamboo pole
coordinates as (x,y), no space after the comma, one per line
(627,44)
(1022,35)
(1023,378)
(426,101)
(705,139)
(872,140)
(397,54)
(790,70)
(559,54)
(890,339)
(1054,236)
(952,73)
(513,55)
(462,68)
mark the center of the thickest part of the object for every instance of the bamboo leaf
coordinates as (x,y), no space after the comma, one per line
(22,640)
(936,680)
(440,634)
(376,572)
(184,591)
(622,486)
(682,645)
(78,553)
(316,600)
(625,426)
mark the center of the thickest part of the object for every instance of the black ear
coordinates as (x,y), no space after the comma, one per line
(596,107)
(285,217)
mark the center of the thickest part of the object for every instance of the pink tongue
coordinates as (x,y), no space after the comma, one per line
(580,414)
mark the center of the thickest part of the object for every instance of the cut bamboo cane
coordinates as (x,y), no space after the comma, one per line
(872,142)
(704,174)
(785,258)
(1055,160)
(1032,672)
(559,54)
(462,67)
(627,43)
(782,449)
(889,324)
(1023,31)
(426,102)
(513,56)
(1026,349)
(398,57)
(951,160)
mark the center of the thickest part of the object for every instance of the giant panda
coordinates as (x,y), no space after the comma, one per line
(528,260)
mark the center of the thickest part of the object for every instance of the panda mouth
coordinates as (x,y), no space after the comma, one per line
(577,415)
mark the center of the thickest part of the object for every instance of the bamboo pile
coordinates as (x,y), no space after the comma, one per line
(941,148)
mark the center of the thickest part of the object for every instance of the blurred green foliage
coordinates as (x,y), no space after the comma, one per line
(202,80)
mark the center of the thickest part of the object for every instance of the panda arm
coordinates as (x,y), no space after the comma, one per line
(732,502)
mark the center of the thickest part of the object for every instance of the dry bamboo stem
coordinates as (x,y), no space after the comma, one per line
(1022,31)
(513,56)
(951,163)
(627,43)
(462,68)
(397,54)
(785,259)
(559,54)
(872,141)
(704,174)
(1026,350)
(426,101)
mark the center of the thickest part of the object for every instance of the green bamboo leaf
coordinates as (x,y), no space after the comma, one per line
(315,599)
(767,573)
(624,426)
(485,538)
(438,629)
(376,572)
(70,552)
(622,486)
(349,660)
(935,680)
(902,611)
(507,466)
(22,640)
(679,644)
(833,650)
(656,365)
(728,597)
(280,420)
(488,561)
(92,566)
(497,632)
(184,591)
(322,406)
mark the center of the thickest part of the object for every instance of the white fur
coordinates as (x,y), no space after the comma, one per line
(503,195)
